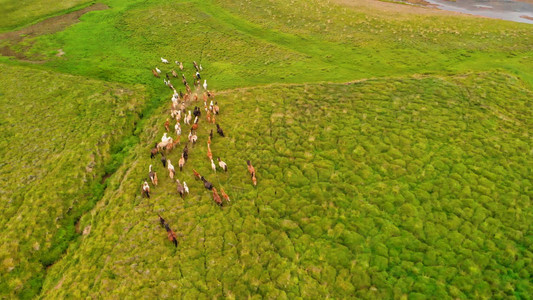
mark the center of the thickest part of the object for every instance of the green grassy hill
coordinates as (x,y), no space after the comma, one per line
(412,180)
(55,144)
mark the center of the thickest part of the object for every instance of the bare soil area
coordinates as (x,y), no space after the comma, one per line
(47,26)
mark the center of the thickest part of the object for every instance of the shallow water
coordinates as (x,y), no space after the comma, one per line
(498,9)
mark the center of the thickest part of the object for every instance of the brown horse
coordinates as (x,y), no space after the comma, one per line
(155,73)
(216,197)
(177,141)
(181,189)
(181,162)
(224,195)
(251,168)
(174,73)
(152,175)
(170,146)
(196,174)
(171,235)
(167,125)
(209,154)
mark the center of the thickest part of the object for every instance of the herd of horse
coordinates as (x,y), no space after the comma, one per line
(179,113)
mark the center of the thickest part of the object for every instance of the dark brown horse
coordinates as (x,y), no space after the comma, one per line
(220,131)
(154,151)
(171,235)
(208,185)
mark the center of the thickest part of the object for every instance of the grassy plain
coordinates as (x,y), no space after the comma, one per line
(56,137)
(259,42)
(414,183)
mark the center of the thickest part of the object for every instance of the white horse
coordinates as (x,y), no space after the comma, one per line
(165,141)
(222,165)
(185,187)
(146,189)
(205,84)
(157,70)
(164,61)
(171,170)
(193,138)
(213,166)
(188,118)
(165,138)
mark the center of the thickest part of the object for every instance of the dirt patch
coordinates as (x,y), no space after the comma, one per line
(412,7)
(47,26)
(416,2)
(527,17)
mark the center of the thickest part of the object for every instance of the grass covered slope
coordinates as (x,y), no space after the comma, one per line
(381,188)
(260,42)
(56,137)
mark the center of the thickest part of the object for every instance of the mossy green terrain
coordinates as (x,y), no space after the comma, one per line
(393,152)
(56,137)
(382,188)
